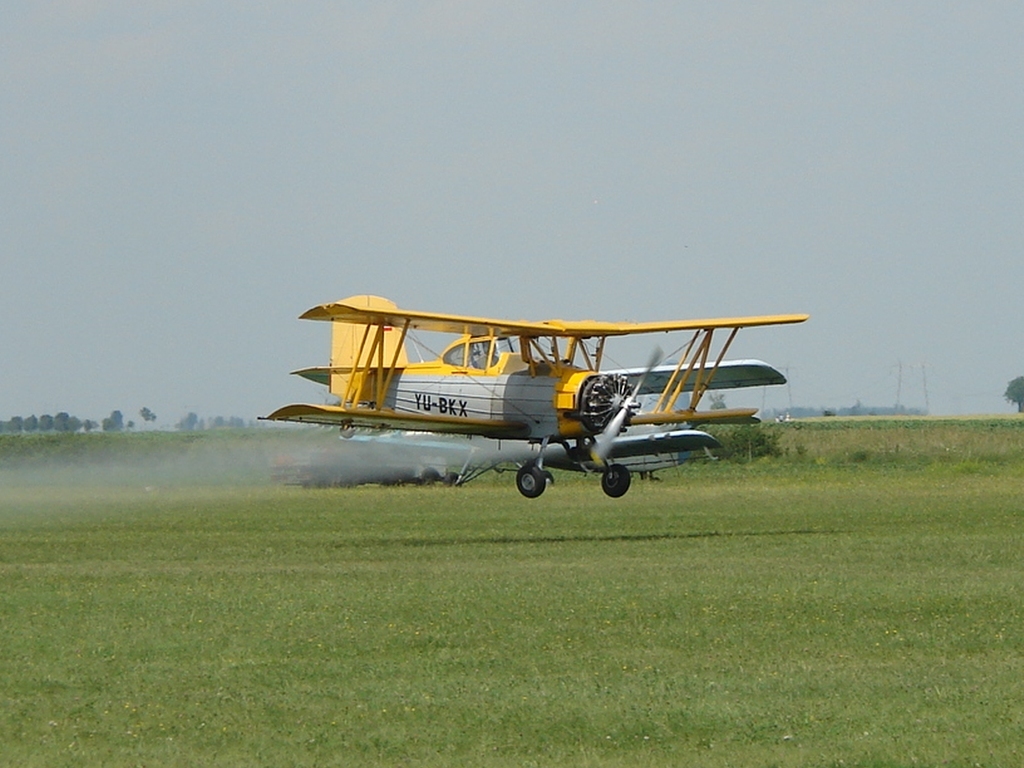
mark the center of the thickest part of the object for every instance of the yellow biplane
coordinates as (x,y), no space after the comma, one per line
(539,382)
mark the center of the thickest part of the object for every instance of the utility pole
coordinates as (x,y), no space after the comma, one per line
(924,380)
(899,384)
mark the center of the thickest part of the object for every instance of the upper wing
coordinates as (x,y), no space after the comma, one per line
(590,328)
(342,311)
(345,312)
(335,415)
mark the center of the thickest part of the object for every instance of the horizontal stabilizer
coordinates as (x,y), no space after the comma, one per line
(319,375)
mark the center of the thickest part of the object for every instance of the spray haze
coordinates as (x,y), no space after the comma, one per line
(308,456)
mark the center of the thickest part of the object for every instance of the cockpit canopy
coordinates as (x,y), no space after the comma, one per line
(479,353)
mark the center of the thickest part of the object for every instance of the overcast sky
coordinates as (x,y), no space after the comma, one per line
(180,179)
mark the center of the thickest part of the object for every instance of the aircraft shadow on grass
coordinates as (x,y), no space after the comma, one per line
(569,539)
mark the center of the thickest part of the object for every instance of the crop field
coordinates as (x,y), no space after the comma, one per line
(854,599)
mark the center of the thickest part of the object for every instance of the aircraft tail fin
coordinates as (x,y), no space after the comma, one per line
(347,339)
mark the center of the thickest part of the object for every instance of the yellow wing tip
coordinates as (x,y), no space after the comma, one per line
(358,303)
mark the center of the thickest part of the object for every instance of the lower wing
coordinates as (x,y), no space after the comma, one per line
(335,415)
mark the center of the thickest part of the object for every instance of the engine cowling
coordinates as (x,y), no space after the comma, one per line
(600,398)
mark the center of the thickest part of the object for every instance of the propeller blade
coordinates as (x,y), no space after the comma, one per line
(652,362)
(603,443)
(602,447)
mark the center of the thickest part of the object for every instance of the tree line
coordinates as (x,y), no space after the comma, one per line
(65,422)
(62,422)
(115,422)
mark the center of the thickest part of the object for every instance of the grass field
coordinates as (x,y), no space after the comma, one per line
(855,601)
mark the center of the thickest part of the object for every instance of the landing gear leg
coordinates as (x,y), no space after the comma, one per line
(615,480)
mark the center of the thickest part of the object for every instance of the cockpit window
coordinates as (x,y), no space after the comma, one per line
(480,354)
(456,355)
(505,344)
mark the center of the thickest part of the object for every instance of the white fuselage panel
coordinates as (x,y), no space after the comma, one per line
(517,397)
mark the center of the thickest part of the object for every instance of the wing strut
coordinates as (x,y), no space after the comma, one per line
(373,362)
(694,359)
(355,379)
(384,382)
(704,377)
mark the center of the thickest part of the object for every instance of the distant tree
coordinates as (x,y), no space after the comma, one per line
(31,424)
(718,402)
(1015,393)
(16,424)
(63,422)
(147,415)
(189,422)
(224,422)
(114,422)
(89,425)
(46,423)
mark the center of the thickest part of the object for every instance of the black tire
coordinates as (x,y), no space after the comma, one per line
(615,480)
(530,480)
(429,476)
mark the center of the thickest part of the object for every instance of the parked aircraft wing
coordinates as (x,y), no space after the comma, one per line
(730,374)
(641,443)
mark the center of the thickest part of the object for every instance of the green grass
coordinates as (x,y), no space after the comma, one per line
(805,610)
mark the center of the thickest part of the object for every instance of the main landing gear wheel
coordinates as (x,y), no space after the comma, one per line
(531,480)
(615,480)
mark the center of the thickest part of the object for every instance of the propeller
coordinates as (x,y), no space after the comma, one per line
(602,447)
